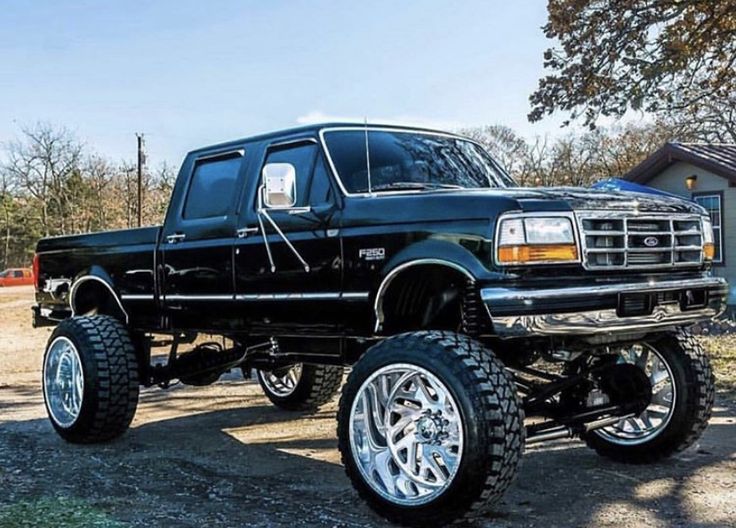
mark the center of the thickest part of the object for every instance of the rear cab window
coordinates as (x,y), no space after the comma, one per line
(212,187)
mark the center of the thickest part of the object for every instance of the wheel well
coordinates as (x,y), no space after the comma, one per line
(93,296)
(422,297)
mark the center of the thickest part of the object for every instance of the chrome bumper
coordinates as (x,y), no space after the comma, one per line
(596,309)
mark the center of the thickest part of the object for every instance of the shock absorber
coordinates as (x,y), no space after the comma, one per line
(471,309)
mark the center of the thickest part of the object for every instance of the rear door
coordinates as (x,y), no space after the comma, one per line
(195,265)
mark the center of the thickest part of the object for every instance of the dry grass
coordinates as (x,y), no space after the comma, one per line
(722,351)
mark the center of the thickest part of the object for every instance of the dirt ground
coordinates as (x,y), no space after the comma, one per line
(222,456)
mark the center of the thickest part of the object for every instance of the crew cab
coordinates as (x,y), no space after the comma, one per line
(461,301)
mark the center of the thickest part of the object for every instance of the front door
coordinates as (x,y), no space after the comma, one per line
(290,282)
(195,263)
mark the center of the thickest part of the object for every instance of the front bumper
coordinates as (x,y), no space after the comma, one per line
(604,308)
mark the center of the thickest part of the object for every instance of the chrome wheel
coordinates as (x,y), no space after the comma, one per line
(282,382)
(63,382)
(657,415)
(406,434)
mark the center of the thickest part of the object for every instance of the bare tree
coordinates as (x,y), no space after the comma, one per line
(42,163)
(502,142)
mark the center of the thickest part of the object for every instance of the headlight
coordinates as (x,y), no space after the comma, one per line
(536,240)
(709,247)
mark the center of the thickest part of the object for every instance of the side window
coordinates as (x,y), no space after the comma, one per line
(302,158)
(18,274)
(212,187)
(321,190)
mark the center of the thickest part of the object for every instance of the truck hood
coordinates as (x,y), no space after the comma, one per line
(575,198)
(429,206)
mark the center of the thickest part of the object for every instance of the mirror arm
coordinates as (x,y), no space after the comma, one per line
(261,213)
(265,241)
(259,208)
(264,213)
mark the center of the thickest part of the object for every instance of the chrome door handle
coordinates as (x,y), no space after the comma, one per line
(176,237)
(245,231)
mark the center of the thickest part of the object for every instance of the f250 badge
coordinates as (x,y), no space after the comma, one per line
(372,253)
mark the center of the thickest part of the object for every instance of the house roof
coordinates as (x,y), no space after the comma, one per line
(717,158)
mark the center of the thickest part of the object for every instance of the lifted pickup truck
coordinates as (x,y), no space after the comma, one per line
(462,302)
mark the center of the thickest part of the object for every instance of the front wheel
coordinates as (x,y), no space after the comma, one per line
(683,391)
(430,428)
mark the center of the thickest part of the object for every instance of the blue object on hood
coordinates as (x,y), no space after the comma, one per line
(617,184)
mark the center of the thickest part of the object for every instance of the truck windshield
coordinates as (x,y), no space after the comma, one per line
(406,160)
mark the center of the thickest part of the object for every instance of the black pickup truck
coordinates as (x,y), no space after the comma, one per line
(462,303)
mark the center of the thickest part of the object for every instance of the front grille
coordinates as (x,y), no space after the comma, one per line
(624,241)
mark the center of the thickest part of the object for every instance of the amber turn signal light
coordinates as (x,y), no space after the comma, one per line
(709,251)
(530,254)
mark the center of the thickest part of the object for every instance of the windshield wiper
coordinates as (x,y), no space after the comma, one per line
(415,185)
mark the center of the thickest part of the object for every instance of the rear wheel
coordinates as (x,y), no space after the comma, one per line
(300,386)
(430,428)
(683,391)
(90,379)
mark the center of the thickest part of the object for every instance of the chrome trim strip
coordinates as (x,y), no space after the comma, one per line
(308,296)
(251,297)
(85,278)
(381,292)
(356,295)
(137,297)
(178,297)
(491,295)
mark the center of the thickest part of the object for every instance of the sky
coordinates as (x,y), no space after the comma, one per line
(192,73)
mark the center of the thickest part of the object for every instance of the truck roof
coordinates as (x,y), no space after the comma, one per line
(307,129)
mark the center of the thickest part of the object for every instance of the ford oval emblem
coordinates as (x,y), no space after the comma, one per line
(651,241)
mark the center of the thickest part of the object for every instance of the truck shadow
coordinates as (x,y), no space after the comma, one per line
(255,465)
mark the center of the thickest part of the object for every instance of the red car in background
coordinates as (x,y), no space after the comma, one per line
(16,277)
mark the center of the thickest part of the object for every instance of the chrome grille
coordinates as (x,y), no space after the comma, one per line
(623,241)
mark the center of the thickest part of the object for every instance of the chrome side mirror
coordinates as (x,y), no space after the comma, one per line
(279,185)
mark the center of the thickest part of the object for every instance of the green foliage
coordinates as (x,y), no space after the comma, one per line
(674,58)
(55,512)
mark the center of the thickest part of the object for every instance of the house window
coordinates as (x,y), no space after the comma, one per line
(713,204)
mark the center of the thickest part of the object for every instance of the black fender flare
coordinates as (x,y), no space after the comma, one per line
(429,252)
(97,274)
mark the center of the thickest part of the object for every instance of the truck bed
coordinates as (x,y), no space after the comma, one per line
(121,237)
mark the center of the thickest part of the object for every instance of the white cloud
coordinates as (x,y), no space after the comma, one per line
(317,116)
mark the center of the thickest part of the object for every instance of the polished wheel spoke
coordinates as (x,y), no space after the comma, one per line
(282,382)
(657,415)
(63,382)
(406,434)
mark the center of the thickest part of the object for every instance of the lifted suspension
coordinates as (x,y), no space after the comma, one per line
(596,396)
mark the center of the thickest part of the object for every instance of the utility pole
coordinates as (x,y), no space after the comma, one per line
(141,162)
